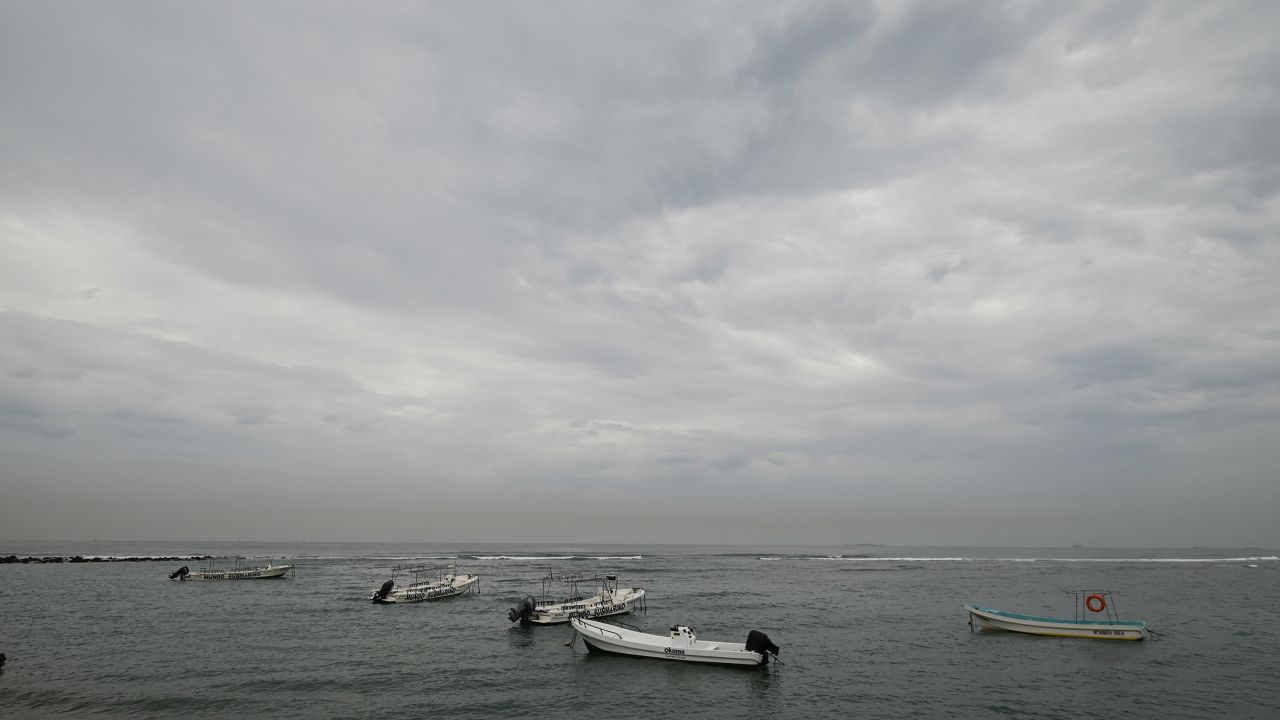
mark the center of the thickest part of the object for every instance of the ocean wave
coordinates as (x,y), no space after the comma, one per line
(524,557)
(1267,558)
(558,557)
(374,557)
(863,558)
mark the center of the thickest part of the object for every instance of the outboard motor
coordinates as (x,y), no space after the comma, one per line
(181,573)
(385,590)
(523,611)
(758,642)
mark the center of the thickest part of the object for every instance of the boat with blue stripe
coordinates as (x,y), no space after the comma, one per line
(1098,602)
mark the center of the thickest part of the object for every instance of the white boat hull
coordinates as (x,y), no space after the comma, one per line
(260,573)
(608,604)
(607,638)
(454,586)
(1056,627)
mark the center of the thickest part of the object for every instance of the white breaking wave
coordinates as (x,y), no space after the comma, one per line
(909,559)
(1267,558)
(525,557)
(379,558)
(559,557)
(1167,560)
(837,558)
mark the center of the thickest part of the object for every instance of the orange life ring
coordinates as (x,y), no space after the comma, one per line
(1097,607)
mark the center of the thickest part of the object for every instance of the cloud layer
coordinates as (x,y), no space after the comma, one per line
(781,272)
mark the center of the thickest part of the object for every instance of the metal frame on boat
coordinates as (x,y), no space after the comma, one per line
(546,609)
(1100,602)
(681,645)
(431,582)
(211,572)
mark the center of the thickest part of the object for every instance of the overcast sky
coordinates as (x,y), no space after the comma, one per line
(766,272)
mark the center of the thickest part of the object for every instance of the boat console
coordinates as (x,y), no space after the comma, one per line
(682,636)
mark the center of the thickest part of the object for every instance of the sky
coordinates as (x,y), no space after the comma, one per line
(935,273)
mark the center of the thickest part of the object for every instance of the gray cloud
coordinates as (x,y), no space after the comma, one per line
(906,273)
(1107,364)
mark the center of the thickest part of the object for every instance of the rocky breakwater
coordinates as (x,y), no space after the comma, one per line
(11,559)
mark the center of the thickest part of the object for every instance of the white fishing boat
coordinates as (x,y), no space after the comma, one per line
(1108,626)
(429,583)
(682,644)
(608,600)
(238,572)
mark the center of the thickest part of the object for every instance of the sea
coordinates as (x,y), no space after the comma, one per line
(865,631)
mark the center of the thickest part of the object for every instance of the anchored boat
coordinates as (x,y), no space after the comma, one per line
(1108,626)
(430,582)
(608,599)
(238,572)
(682,644)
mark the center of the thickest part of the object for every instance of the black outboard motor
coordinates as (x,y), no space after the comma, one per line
(523,611)
(385,590)
(758,642)
(181,573)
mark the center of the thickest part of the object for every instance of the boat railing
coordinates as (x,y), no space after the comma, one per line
(424,567)
(545,600)
(605,631)
(611,621)
(238,562)
(607,581)
(429,571)
(1085,602)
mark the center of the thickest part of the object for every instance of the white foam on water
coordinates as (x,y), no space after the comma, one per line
(1269,558)
(525,557)
(1164,560)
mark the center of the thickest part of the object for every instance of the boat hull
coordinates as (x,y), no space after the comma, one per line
(262,573)
(1056,627)
(618,602)
(601,637)
(456,586)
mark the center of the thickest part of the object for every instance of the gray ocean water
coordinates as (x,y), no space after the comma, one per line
(876,633)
